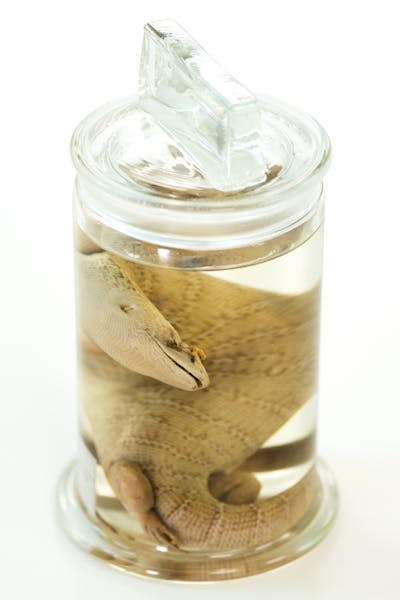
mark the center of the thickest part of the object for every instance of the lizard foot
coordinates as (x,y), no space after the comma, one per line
(153,526)
(135,492)
(234,488)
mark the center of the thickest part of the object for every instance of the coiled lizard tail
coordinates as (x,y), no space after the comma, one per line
(196,519)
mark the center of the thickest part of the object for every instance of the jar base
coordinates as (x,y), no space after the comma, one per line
(158,562)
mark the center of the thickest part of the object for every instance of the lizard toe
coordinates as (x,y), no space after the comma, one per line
(154,527)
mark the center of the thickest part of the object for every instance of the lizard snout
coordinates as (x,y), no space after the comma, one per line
(183,364)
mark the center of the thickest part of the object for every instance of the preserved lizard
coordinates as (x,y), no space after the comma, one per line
(175,438)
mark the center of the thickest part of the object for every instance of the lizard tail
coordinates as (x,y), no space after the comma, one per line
(202,521)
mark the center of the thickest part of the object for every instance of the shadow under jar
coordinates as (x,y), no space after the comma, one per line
(198,331)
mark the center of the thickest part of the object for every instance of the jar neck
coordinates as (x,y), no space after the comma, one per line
(174,248)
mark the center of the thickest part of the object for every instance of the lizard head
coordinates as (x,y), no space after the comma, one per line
(122,321)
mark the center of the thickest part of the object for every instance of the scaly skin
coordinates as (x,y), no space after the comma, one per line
(165,449)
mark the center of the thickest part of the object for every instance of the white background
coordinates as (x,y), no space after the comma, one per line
(337,60)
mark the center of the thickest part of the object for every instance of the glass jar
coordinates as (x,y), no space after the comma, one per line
(198,329)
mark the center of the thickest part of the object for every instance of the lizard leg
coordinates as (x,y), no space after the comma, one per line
(241,486)
(135,492)
(234,488)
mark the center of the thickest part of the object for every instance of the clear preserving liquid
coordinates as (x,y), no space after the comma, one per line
(250,431)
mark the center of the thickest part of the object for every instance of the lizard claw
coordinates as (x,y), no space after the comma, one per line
(154,527)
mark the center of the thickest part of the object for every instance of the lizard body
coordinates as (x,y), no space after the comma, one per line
(173,456)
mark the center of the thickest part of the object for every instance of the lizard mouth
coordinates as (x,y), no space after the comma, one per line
(189,364)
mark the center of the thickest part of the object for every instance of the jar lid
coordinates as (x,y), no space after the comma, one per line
(151,181)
